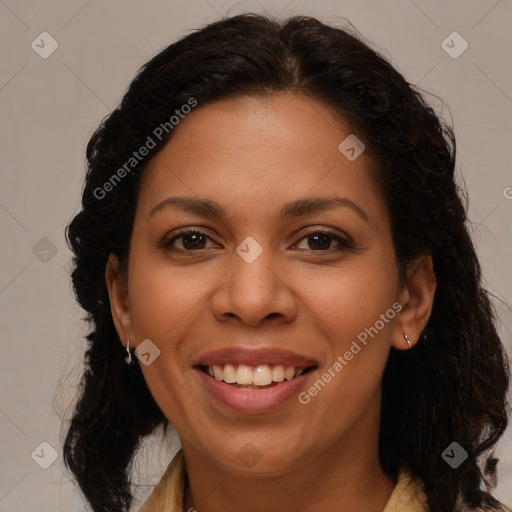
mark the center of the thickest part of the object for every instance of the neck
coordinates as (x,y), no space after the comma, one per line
(346,476)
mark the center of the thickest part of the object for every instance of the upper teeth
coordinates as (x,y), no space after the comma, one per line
(261,375)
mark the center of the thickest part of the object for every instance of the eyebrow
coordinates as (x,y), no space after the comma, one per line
(208,208)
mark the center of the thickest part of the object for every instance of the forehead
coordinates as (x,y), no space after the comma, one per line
(259,149)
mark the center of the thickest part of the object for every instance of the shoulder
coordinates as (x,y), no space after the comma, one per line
(167,495)
(409,496)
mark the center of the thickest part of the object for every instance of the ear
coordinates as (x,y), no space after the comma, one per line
(118,295)
(416,298)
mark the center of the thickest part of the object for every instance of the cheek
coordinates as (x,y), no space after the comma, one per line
(161,298)
(164,303)
(355,311)
(350,298)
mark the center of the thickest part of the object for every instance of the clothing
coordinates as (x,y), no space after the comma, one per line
(167,495)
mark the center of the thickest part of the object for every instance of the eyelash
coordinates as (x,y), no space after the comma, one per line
(346,243)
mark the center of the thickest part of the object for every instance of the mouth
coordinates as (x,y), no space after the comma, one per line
(260,380)
(253,390)
(252,378)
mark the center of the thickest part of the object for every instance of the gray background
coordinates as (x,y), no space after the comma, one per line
(49,108)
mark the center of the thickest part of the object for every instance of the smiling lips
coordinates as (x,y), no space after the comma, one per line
(253,380)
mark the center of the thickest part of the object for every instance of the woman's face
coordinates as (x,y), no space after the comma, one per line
(298,271)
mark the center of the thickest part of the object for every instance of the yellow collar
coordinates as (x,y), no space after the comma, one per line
(167,495)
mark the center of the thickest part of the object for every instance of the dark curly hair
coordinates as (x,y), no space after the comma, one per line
(451,387)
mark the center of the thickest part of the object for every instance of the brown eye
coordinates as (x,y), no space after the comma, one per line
(191,240)
(321,240)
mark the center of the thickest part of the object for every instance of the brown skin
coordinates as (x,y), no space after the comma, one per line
(252,155)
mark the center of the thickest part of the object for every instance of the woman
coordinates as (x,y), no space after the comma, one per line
(270,219)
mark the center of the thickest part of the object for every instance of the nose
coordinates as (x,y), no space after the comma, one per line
(256,292)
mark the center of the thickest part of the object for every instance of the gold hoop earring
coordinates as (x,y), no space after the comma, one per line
(128,358)
(408,340)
